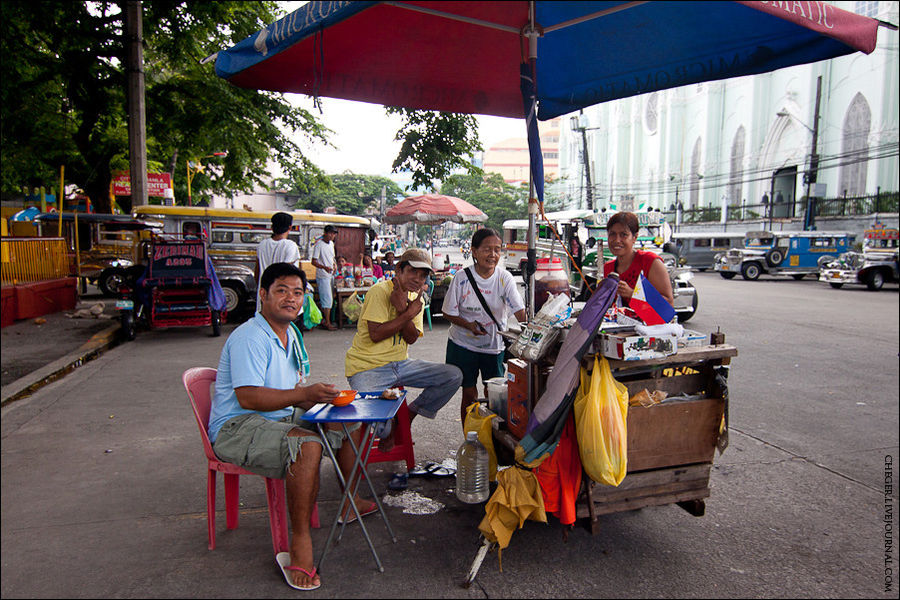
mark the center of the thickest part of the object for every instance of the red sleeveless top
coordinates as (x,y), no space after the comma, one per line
(642,262)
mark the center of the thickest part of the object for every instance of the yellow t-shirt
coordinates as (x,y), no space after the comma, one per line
(364,354)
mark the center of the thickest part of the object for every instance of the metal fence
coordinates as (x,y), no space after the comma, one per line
(824,207)
(26,260)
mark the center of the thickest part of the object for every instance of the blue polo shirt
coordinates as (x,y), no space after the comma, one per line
(254,356)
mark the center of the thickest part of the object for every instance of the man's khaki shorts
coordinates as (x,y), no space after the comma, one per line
(263,446)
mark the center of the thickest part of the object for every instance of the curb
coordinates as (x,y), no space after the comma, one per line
(27,385)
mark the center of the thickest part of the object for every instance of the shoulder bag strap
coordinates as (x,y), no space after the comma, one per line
(481,298)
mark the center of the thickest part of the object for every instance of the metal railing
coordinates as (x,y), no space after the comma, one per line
(26,260)
(886,202)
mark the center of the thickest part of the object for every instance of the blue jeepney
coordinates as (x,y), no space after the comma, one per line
(795,253)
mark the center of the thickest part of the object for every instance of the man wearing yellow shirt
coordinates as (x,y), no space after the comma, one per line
(391,320)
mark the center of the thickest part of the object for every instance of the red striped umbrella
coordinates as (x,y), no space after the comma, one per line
(431,209)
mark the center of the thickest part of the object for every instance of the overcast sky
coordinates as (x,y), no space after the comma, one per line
(364,135)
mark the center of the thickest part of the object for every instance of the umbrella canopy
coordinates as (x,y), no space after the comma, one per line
(431,209)
(465,56)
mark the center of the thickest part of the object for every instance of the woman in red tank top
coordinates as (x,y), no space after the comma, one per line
(621,231)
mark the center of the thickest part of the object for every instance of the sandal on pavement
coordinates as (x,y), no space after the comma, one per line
(284,561)
(433,469)
(362,513)
(400,481)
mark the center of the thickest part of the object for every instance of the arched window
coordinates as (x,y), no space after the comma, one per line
(695,175)
(735,185)
(855,147)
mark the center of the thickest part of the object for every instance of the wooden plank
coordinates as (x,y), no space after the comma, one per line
(684,355)
(658,477)
(605,509)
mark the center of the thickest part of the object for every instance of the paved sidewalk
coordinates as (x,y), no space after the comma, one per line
(37,351)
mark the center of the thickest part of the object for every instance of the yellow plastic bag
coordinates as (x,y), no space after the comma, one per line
(352,307)
(601,411)
(482,425)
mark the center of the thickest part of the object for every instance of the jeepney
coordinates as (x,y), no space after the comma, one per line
(794,253)
(107,244)
(698,250)
(877,263)
(234,235)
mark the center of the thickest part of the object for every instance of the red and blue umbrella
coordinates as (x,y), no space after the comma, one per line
(552,57)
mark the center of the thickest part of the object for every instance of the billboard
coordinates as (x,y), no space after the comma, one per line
(157,184)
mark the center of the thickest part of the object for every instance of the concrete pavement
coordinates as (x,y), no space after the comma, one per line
(103,487)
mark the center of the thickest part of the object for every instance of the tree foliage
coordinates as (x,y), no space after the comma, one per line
(435,144)
(63,98)
(499,200)
(349,193)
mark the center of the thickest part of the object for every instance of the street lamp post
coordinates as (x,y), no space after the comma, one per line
(194,168)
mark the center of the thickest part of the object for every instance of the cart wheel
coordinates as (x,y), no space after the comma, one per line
(216,323)
(683,317)
(127,320)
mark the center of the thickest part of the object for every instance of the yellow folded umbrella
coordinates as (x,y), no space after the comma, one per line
(517,499)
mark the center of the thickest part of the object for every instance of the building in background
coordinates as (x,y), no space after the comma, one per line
(745,140)
(509,158)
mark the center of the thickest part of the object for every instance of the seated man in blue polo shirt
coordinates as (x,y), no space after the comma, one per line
(260,395)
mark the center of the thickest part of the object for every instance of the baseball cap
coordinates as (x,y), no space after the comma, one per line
(330,229)
(416,257)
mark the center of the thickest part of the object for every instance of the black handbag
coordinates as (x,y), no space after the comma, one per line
(506,343)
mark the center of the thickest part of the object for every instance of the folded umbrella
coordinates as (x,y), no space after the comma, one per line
(548,418)
(517,499)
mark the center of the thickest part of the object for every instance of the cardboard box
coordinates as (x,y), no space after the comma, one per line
(631,346)
(692,339)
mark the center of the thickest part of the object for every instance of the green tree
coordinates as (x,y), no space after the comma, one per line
(435,144)
(349,193)
(499,200)
(63,99)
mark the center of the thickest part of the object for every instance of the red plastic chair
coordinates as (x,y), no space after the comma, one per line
(197,382)
(403,443)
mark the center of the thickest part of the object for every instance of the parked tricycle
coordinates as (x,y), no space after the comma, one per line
(177,287)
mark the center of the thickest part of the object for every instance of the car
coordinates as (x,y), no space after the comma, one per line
(794,253)
(877,263)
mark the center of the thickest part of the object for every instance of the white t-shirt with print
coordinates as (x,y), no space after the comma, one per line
(501,295)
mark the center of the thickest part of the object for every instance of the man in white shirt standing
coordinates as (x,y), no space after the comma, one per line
(277,248)
(323,260)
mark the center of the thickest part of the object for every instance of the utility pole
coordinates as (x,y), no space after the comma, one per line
(137,124)
(813,171)
(578,124)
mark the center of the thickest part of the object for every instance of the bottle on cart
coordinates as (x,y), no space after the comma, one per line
(549,278)
(472,470)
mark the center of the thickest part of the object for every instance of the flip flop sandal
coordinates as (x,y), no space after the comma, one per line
(284,561)
(400,481)
(362,513)
(433,469)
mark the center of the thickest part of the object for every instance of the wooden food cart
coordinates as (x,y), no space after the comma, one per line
(671,444)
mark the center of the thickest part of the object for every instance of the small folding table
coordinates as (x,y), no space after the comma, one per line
(368,408)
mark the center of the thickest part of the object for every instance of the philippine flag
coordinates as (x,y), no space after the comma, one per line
(649,304)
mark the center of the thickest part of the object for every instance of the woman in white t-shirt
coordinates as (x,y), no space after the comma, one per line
(475,344)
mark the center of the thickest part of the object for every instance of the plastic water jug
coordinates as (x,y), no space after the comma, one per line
(472,471)
(549,278)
